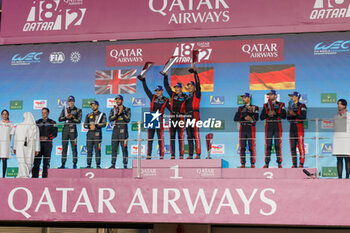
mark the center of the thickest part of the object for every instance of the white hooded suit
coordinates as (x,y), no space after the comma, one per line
(26,141)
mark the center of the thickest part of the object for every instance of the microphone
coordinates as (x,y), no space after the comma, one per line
(307,172)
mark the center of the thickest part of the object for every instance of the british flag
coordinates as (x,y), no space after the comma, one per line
(115,81)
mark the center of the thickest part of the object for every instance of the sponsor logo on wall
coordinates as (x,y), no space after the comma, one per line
(55,15)
(39,104)
(327,124)
(328,98)
(57,57)
(329,172)
(61,103)
(218,149)
(332,48)
(83,150)
(75,57)
(328,10)
(87,103)
(27,59)
(59,150)
(111,102)
(199,12)
(16,104)
(260,50)
(327,148)
(254,50)
(138,102)
(134,149)
(217,100)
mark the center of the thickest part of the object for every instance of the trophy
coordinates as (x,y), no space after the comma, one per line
(290,105)
(97,120)
(116,110)
(195,54)
(145,68)
(168,65)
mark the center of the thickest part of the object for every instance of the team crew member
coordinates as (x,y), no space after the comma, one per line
(48,131)
(71,116)
(94,121)
(296,115)
(177,100)
(158,103)
(341,145)
(6,131)
(273,112)
(120,115)
(192,112)
(247,115)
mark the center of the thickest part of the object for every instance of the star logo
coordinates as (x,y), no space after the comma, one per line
(152,120)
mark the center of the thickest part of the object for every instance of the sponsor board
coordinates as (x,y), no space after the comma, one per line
(59,150)
(87,103)
(16,104)
(54,16)
(217,100)
(83,150)
(57,57)
(328,98)
(134,149)
(39,104)
(27,59)
(327,148)
(329,172)
(218,149)
(327,124)
(138,102)
(209,52)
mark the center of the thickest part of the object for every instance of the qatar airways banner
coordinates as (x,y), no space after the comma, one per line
(204,201)
(225,51)
(82,20)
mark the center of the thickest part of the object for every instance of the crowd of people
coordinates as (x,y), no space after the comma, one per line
(32,141)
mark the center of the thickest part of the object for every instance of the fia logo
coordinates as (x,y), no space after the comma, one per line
(152,120)
(50,15)
(56,57)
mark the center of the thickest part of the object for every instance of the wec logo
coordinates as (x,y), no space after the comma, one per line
(333,48)
(50,15)
(32,57)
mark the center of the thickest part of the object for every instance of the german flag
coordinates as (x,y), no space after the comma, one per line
(276,77)
(206,77)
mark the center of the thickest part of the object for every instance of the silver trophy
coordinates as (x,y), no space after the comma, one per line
(168,65)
